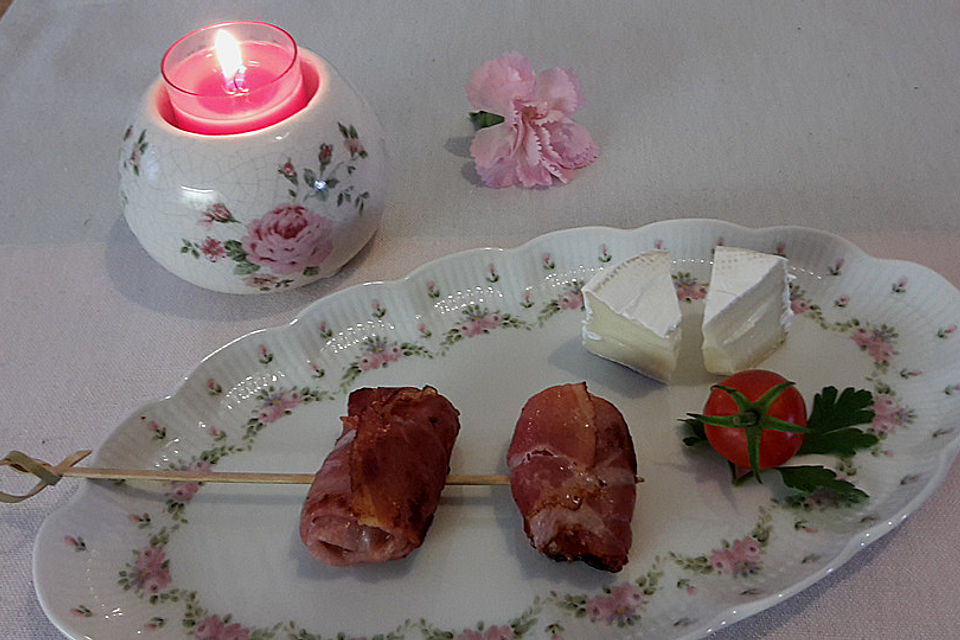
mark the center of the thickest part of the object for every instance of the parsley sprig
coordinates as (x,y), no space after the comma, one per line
(832,429)
(832,423)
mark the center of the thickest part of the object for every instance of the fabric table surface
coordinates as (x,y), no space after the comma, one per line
(837,116)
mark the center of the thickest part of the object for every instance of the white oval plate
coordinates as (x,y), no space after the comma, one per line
(489,328)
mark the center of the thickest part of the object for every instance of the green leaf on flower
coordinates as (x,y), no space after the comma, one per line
(481,119)
(833,419)
(235,250)
(809,479)
(246,268)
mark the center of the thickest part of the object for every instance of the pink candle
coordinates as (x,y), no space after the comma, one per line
(233,77)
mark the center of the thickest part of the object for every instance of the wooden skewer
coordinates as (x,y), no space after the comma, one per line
(103,473)
(51,474)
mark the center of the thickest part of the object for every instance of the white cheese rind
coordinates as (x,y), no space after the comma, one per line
(632,315)
(747,311)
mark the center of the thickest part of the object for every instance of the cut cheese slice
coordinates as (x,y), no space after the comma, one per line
(747,312)
(632,315)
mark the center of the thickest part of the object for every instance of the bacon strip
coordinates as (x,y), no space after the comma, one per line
(375,495)
(573,476)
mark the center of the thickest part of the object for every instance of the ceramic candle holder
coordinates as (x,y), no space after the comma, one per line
(260,211)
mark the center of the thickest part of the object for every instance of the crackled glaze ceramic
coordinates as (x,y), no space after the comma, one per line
(259,211)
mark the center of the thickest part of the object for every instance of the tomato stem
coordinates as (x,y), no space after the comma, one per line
(752,416)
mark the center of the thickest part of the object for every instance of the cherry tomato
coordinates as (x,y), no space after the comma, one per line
(776,445)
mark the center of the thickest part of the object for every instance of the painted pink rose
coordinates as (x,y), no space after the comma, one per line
(213,628)
(183,492)
(878,343)
(289,239)
(861,337)
(691,292)
(471,328)
(799,306)
(571,300)
(370,361)
(152,573)
(722,561)
(881,352)
(278,404)
(492,633)
(234,632)
(326,154)
(208,629)
(602,608)
(537,141)
(353,146)
(379,353)
(151,558)
(481,322)
(888,416)
(628,597)
(220,212)
(687,287)
(747,549)
(392,353)
(619,606)
(742,558)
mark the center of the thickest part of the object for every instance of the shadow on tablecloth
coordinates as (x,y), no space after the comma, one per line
(141,279)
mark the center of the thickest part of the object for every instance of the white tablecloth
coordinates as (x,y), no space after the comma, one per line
(839,116)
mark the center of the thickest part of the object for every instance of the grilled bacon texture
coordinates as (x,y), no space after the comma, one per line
(374,497)
(573,474)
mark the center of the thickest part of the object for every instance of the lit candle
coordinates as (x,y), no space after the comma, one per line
(233,77)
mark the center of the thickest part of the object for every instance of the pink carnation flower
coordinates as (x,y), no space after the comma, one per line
(537,141)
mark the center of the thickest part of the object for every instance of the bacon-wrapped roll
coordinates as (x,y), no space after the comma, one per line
(374,497)
(573,475)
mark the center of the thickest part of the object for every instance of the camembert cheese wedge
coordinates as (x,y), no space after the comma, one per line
(747,310)
(632,315)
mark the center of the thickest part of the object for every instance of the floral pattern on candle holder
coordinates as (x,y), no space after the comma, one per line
(290,239)
(261,211)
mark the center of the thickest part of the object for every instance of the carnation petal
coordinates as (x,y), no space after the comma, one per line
(551,159)
(558,89)
(529,158)
(572,144)
(492,150)
(497,83)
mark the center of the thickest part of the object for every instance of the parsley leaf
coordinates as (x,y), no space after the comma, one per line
(810,479)
(832,422)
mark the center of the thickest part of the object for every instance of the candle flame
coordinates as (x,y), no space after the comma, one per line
(227,50)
